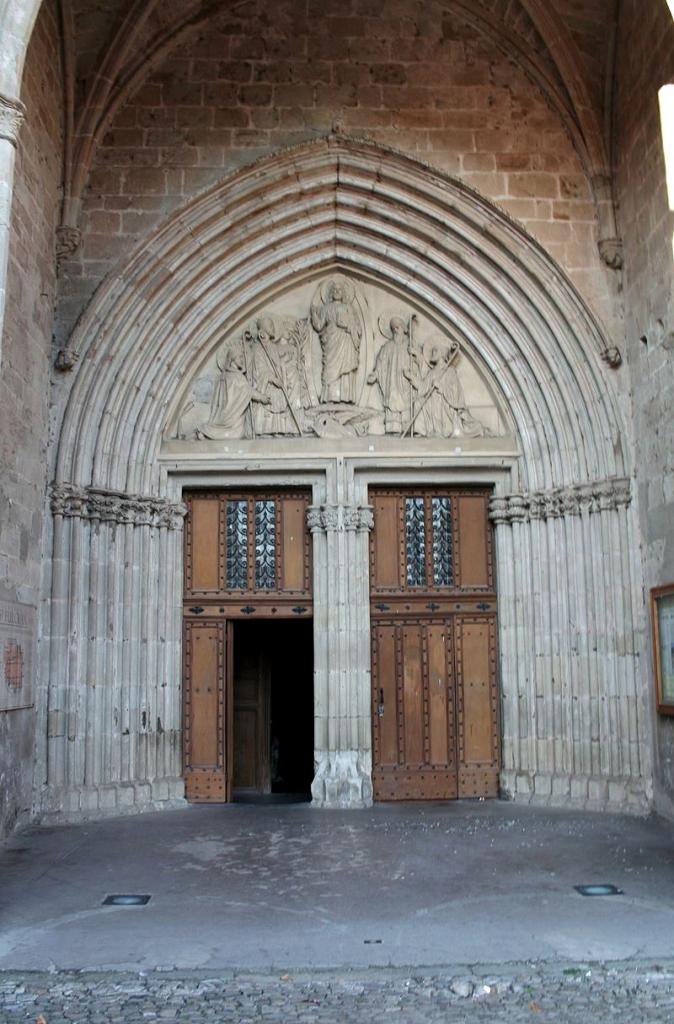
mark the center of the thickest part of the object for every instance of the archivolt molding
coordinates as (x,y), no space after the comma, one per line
(601,496)
(360,209)
(17,18)
(108,506)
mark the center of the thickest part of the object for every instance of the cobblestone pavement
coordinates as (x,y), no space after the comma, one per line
(546,994)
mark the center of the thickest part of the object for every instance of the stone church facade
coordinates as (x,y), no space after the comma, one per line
(279,272)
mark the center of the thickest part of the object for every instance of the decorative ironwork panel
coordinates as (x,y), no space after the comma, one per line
(237,545)
(265,545)
(415,542)
(441,518)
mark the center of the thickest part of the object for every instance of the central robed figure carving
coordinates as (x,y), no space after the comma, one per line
(353,366)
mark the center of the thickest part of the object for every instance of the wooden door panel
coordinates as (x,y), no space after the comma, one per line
(441,738)
(204,564)
(386,541)
(251,688)
(413,696)
(205,754)
(478,707)
(385,696)
(414,756)
(473,547)
(246,728)
(433,664)
(293,543)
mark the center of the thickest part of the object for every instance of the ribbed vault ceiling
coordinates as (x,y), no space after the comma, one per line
(566,46)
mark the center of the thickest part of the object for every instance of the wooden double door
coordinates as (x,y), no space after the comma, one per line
(435,707)
(247,602)
(248,644)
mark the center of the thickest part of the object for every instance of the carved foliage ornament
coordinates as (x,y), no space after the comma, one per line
(339,518)
(602,496)
(12,114)
(110,506)
(337,369)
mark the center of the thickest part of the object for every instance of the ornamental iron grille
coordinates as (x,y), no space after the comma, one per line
(441,518)
(265,545)
(415,542)
(237,545)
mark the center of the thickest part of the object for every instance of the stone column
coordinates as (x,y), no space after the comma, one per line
(570,636)
(114,715)
(11,118)
(343,746)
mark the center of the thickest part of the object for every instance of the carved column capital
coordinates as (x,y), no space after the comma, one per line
(113,507)
(498,511)
(12,115)
(338,518)
(600,496)
(314,519)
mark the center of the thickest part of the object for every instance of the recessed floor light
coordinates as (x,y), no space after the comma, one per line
(598,890)
(126,900)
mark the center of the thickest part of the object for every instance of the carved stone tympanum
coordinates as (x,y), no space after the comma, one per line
(336,360)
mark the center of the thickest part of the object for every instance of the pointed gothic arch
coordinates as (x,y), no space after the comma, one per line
(562,507)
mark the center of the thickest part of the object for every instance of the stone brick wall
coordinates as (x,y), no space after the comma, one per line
(24,374)
(645,63)
(408,74)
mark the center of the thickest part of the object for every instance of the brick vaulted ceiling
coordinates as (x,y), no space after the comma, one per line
(111,46)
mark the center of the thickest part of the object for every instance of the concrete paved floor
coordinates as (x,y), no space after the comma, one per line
(288,886)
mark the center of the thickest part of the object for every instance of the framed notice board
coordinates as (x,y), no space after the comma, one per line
(662,612)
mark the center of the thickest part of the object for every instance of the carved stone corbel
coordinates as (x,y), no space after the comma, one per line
(611,252)
(66,359)
(612,357)
(610,244)
(67,241)
(12,116)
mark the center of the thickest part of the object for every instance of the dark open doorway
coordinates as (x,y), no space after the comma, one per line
(273,710)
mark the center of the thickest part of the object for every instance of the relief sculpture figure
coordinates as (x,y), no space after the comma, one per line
(233,397)
(278,373)
(440,407)
(335,320)
(313,369)
(394,358)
